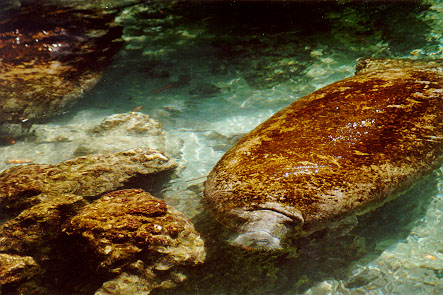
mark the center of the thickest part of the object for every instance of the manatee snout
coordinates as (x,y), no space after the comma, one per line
(266,229)
(258,240)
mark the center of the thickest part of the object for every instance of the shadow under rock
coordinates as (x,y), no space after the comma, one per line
(153,184)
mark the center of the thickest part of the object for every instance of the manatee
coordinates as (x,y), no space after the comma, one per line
(332,155)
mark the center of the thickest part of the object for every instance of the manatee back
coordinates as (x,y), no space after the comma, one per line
(342,150)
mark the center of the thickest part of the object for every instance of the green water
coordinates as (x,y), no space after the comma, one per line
(226,68)
(212,72)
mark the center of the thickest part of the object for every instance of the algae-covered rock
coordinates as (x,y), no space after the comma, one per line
(88,176)
(16,268)
(127,241)
(338,152)
(114,132)
(35,228)
(130,231)
(49,65)
(64,234)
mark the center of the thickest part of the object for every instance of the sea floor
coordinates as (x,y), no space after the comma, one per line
(209,73)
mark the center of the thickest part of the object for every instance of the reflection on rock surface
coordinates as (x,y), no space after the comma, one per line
(50,56)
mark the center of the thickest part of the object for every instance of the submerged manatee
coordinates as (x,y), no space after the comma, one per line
(339,152)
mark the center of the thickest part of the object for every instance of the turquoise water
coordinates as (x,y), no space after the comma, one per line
(212,72)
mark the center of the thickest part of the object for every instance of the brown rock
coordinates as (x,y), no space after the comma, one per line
(124,240)
(336,153)
(15,268)
(35,229)
(89,176)
(48,65)
(126,223)
(129,231)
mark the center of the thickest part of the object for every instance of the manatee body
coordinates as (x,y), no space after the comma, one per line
(341,151)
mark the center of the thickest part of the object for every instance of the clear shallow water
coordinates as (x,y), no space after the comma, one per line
(210,73)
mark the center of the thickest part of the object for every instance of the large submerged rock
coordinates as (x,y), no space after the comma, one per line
(138,237)
(51,55)
(87,176)
(334,154)
(120,130)
(64,227)
(114,133)
(16,268)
